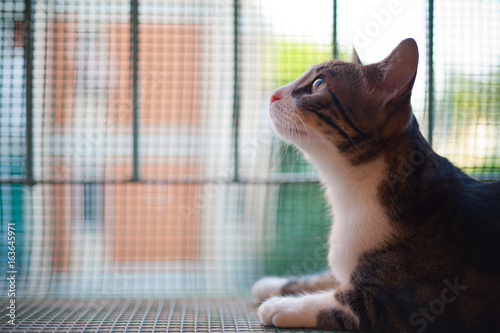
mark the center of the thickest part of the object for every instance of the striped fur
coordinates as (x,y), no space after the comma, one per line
(415,243)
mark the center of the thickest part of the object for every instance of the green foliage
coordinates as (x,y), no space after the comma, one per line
(470,116)
(475,98)
(293,58)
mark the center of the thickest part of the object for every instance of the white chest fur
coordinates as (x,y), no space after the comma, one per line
(360,223)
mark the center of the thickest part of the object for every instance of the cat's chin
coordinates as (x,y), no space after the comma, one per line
(290,135)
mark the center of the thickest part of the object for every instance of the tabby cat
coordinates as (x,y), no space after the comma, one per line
(415,243)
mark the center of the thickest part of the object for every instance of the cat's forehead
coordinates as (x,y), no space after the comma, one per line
(328,69)
(326,66)
(322,68)
(309,73)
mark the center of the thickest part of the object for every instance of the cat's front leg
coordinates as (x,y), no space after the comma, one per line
(275,286)
(307,311)
(268,287)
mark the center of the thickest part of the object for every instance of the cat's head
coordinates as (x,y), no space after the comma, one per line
(349,108)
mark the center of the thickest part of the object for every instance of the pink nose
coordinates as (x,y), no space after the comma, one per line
(275,96)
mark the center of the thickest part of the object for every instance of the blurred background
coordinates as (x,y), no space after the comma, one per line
(136,155)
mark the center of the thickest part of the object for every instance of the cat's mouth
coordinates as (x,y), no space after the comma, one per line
(286,123)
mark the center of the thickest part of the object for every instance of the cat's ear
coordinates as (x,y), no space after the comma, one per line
(398,71)
(394,80)
(355,57)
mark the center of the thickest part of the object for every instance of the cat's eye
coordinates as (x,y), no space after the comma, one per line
(317,85)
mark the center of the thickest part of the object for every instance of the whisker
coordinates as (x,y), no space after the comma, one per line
(278,154)
(294,129)
(298,131)
(303,124)
(288,128)
(298,128)
(353,142)
(297,154)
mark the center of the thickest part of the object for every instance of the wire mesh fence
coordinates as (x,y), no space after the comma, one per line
(136,155)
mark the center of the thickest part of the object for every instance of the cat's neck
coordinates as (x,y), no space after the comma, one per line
(345,182)
(360,223)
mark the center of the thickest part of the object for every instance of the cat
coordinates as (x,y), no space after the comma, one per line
(415,243)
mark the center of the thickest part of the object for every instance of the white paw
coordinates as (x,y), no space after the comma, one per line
(286,312)
(268,287)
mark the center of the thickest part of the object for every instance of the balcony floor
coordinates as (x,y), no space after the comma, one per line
(134,315)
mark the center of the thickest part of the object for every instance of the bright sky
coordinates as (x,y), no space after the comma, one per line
(462,30)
